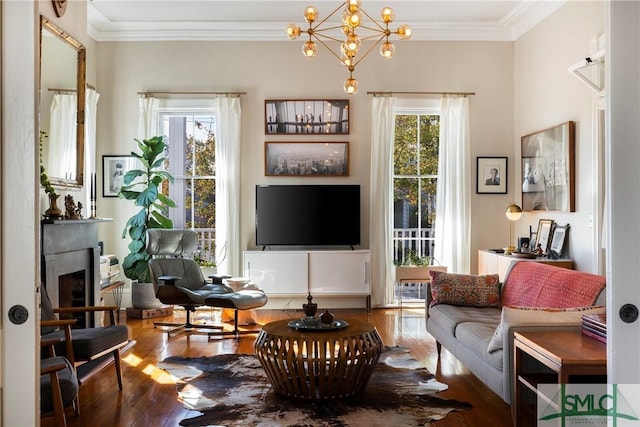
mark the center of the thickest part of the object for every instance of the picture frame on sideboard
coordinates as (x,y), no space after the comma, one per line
(544,234)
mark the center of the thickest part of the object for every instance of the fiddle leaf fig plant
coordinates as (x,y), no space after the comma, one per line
(143,186)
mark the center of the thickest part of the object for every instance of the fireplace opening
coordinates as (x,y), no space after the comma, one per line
(72,292)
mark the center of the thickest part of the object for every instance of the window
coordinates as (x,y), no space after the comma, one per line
(415,171)
(191,140)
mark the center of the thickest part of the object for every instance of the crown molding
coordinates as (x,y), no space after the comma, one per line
(528,14)
(522,18)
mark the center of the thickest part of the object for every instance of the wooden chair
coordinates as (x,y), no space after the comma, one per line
(58,384)
(89,350)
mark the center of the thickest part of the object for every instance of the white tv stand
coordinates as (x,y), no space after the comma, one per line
(321,273)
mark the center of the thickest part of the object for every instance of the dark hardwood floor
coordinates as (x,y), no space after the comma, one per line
(149,394)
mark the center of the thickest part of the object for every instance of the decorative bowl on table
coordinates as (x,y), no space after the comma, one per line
(236,282)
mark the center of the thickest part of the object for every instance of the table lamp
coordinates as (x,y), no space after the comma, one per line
(513,213)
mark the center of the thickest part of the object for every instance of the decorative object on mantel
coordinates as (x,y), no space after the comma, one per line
(92,198)
(513,213)
(353,19)
(71,211)
(310,307)
(143,186)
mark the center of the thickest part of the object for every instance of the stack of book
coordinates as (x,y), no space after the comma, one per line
(109,270)
(595,326)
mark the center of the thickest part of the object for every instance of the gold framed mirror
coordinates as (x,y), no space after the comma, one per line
(62,104)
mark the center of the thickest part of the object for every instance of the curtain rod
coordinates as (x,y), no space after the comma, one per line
(89,86)
(166,92)
(422,93)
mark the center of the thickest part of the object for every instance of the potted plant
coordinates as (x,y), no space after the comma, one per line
(143,186)
(54,211)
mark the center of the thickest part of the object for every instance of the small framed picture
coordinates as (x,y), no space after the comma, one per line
(113,170)
(491,175)
(306,159)
(544,234)
(558,240)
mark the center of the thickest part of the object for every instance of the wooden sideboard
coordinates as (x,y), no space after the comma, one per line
(491,262)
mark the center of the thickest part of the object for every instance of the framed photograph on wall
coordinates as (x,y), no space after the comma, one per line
(306,116)
(543,235)
(113,170)
(306,158)
(548,165)
(491,175)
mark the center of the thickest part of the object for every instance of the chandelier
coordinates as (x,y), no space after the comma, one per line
(353,19)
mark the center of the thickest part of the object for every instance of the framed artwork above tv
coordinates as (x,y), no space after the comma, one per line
(306,158)
(306,116)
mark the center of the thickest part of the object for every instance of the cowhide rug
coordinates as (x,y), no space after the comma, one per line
(232,390)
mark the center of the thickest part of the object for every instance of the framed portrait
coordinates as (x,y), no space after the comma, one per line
(558,240)
(543,235)
(491,175)
(113,170)
(306,159)
(306,116)
(548,169)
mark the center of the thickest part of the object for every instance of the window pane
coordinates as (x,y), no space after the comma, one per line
(405,148)
(405,217)
(204,140)
(429,144)
(428,202)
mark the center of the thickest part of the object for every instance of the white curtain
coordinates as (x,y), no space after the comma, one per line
(62,136)
(228,140)
(453,207)
(90,123)
(381,208)
(147,117)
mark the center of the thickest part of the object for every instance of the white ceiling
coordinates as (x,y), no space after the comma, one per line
(129,20)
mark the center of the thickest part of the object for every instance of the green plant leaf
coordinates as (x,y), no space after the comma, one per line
(154,205)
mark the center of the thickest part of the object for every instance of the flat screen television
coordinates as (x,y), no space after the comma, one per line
(307,215)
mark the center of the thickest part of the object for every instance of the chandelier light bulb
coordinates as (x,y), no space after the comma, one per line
(347,61)
(293,31)
(353,42)
(309,49)
(310,13)
(351,86)
(351,19)
(353,5)
(387,49)
(404,32)
(387,15)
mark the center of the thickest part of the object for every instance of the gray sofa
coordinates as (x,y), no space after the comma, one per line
(481,337)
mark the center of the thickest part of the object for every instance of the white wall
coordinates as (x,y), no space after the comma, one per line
(546,94)
(278,70)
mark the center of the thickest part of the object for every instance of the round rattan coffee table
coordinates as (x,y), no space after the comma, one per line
(319,364)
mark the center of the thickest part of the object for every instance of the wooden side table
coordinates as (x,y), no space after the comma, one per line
(552,357)
(318,365)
